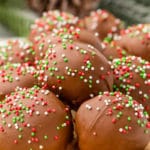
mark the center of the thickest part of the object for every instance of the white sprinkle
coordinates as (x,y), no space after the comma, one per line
(72,74)
(45,78)
(82,67)
(94,133)
(86,69)
(41,54)
(114,28)
(37,102)
(96,34)
(49,41)
(46,92)
(120,130)
(66,67)
(63,55)
(97,81)
(57,95)
(102,68)
(90,77)
(43,103)
(9,125)
(68,73)
(37,113)
(3,116)
(88,107)
(77,48)
(136,114)
(91,95)
(28,125)
(97,108)
(56,69)
(46,113)
(41,147)
(60,87)
(92,68)
(29,141)
(85,80)
(16,126)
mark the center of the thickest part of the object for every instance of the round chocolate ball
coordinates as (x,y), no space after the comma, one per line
(132,77)
(112,121)
(16,51)
(49,21)
(34,119)
(65,35)
(111,50)
(102,23)
(18,75)
(76,71)
(136,40)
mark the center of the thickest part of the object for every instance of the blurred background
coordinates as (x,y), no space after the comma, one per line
(16,16)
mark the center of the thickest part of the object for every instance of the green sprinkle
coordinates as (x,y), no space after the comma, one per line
(51,74)
(58,128)
(129,118)
(45,137)
(32,134)
(20,136)
(62,77)
(65,59)
(54,62)
(90,81)
(120,113)
(4,122)
(20,129)
(81,77)
(67,117)
(146,131)
(58,77)
(126,127)
(64,46)
(90,85)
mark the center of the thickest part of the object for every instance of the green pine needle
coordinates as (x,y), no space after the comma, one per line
(17,20)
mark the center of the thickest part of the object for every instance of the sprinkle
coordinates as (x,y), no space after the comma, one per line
(37,113)
(88,107)
(98,108)
(94,133)
(41,147)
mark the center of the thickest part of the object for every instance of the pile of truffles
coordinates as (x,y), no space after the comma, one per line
(76,84)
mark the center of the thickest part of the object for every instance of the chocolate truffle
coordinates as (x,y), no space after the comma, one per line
(49,21)
(112,121)
(16,51)
(76,71)
(111,50)
(102,23)
(132,77)
(136,40)
(22,75)
(34,119)
(65,35)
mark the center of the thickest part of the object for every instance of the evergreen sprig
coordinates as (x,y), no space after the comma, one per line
(16,19)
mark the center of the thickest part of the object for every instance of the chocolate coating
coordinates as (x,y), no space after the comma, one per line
(16,51)
(14,75)
(112,121)
(76,71)
(65,35)
(102,23)
(111,50)
(136,40)
(132,77)
(34,119)
(49,21)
